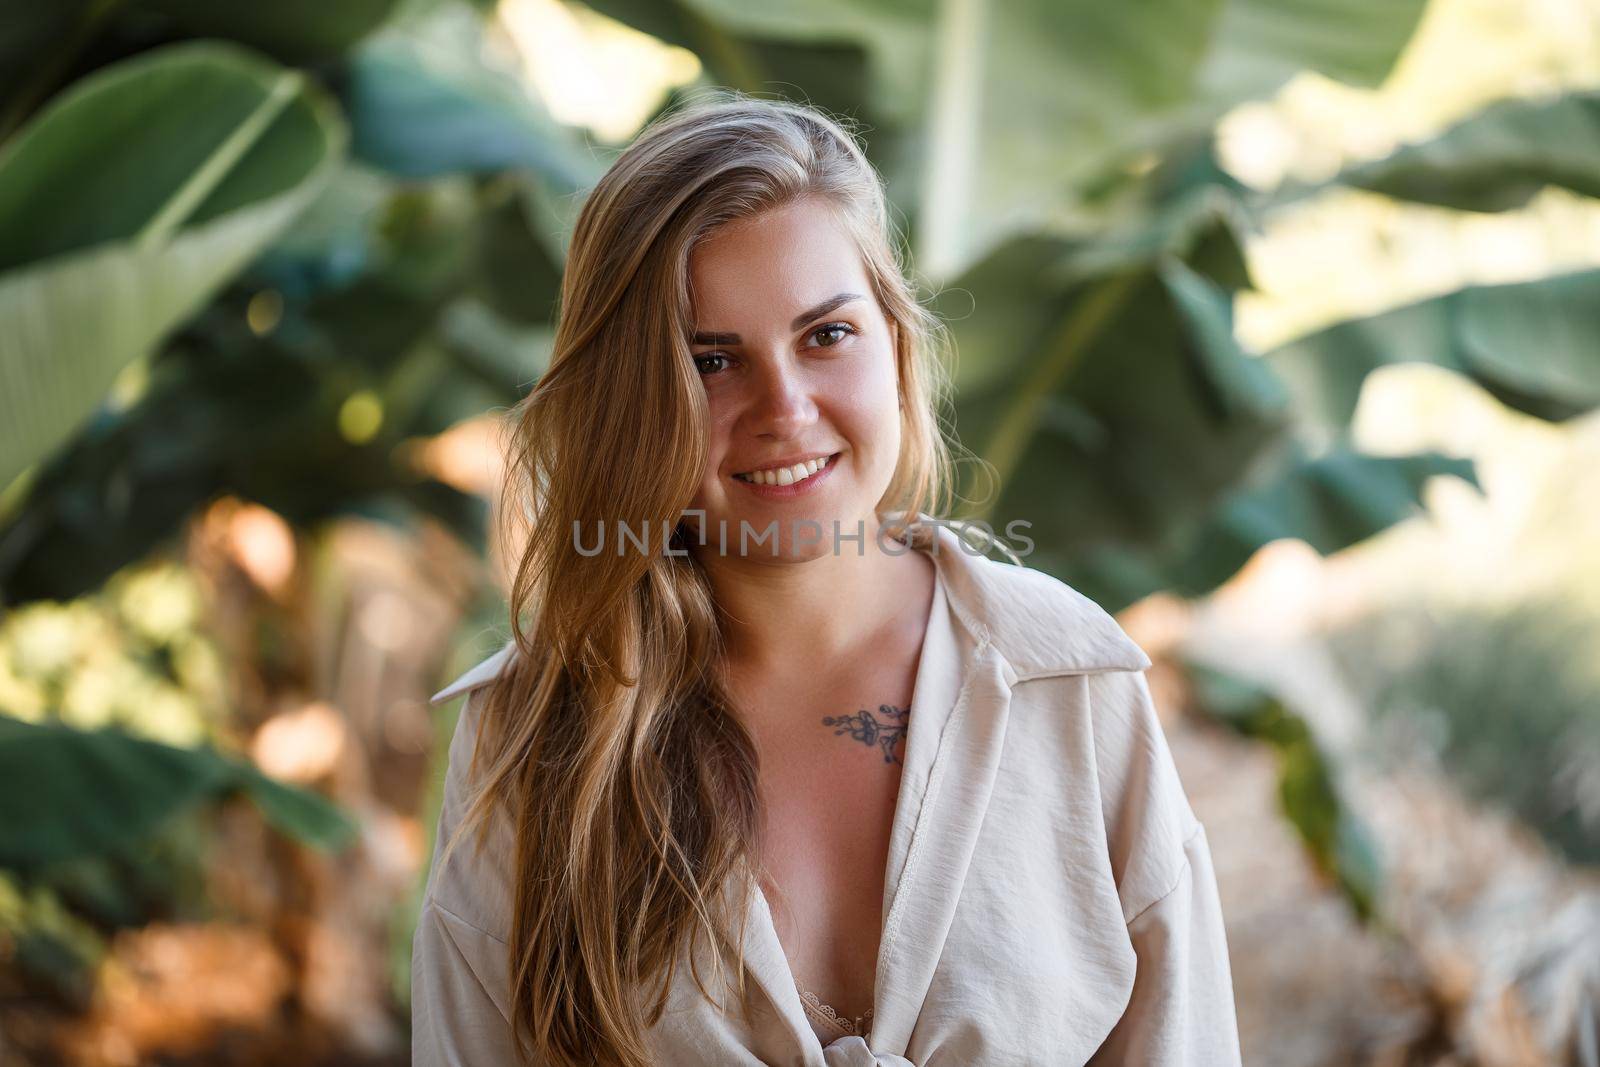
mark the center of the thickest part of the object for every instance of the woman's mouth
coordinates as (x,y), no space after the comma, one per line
(792,480)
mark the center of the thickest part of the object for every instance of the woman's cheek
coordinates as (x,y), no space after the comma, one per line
(722,416)
(874,387)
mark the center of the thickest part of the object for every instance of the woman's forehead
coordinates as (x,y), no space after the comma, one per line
(773,265)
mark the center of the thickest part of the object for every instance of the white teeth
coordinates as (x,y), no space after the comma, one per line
(786,475)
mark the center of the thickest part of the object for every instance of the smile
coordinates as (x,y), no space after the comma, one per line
(794,474)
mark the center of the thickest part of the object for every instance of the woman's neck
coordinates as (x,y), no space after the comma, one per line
(779,614)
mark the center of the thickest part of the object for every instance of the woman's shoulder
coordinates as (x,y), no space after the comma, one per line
(471,885)
(1039,623)
(1075,658)
(480,673)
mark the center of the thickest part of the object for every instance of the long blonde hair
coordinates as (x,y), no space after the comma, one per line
(608,736)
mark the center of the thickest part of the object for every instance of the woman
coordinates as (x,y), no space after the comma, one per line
(775,768)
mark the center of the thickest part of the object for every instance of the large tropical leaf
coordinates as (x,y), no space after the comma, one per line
(122,488)
(1000,117)
(293,30)
(1498,158)
(1036,102)
(883,46)
(1144,446)
(423,101)
(45,45)
(125,205)
(1081,392)
(428,300)
(1258,45)
(132,477)
(66,793)
(1338,841)
(1330,501)
(1531,344)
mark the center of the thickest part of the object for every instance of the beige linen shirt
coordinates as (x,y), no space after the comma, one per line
(1049,897)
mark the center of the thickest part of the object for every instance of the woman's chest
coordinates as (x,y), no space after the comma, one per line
(825,848)
(1006,941)
(830,781)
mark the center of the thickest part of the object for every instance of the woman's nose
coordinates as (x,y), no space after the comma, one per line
(782,405)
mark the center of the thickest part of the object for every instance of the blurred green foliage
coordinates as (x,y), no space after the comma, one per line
(1507,701)
(113,735)
(132,655)
(1336,839)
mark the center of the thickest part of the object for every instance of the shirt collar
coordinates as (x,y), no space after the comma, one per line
(1040,625)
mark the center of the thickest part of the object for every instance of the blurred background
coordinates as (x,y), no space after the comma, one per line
(1278,319)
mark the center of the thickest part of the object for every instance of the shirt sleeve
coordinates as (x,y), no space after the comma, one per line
(1181,1010)
(460,969)
(455,1021)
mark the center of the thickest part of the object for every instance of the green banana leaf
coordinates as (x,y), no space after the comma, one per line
(125,205)
(69,793)
(1530,344)
(991,119)
(122,486)
(295,31)
(1036,103)
(884,47)
(391,287)
(1144,446)
(1258,45)
(1329,501)
(1149,451)
(1082,393)
(114,495)
(1340,844)
(423,101)
(1494,160)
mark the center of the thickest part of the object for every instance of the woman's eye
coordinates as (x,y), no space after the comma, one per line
(842,330)
(700,362)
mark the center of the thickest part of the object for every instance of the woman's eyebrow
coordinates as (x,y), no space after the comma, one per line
(823,308)
(838,300)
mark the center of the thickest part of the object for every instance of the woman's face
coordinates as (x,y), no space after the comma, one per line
(798,364)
